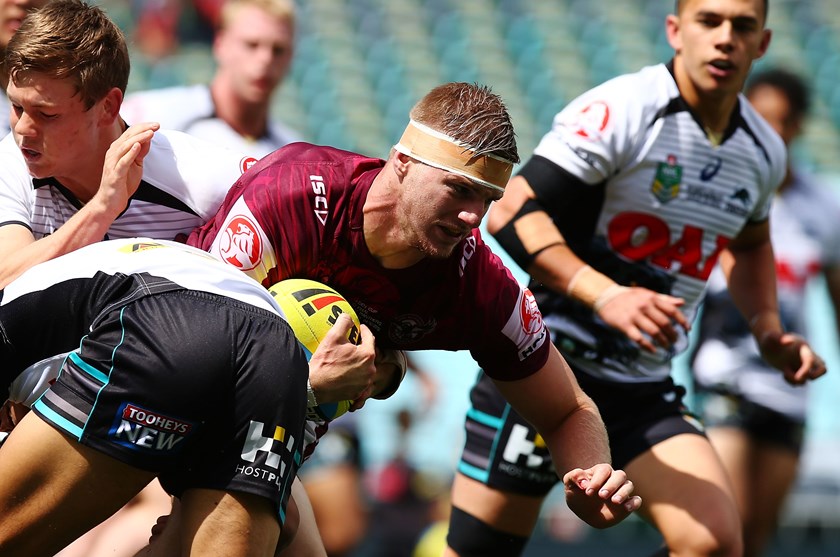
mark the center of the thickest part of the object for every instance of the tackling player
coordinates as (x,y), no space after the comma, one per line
(216,412)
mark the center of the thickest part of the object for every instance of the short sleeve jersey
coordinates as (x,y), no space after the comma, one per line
(184,182)
(190,109)
(805,234)
(298,213)
(672,200)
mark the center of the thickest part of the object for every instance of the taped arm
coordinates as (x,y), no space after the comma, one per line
(545,213)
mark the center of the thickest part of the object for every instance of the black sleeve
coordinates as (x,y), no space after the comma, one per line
(573,204)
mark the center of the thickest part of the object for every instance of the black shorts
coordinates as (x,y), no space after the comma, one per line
(504,451)
(759,422)
(202,390)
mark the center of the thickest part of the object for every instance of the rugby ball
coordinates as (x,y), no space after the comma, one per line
(311,309)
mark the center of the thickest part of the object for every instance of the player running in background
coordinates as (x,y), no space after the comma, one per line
(253,49)
(185,371)
(754,418)
(642,184)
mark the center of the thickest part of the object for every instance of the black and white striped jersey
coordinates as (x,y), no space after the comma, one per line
(670,199)
(184,182)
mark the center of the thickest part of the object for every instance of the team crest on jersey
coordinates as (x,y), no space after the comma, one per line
(410,328)
(590,122)
(532,321)
(241,245)
(666,182)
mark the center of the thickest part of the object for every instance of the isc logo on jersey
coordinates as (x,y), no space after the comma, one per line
(525,325)
(319,188)
(143,429)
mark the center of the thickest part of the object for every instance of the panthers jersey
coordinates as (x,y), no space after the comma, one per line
(806,242)
(299,213)
(667,201)
(184,181)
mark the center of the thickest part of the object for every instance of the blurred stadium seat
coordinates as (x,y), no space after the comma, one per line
(362,63)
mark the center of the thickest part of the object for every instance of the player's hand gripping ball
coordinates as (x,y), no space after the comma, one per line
(311,309)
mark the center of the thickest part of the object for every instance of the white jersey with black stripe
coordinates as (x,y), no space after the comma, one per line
(190,109)
(673,199)
(806,243)
(184,182)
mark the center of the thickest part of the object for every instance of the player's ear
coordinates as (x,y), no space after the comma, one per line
(672,31)
(110,105)
(765,42)
(401,164)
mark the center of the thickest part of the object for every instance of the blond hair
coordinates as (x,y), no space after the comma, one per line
(472,115)
(281,9)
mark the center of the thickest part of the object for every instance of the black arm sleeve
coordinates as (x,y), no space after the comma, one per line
(573,204)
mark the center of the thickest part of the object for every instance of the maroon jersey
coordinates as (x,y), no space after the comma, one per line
(298,214)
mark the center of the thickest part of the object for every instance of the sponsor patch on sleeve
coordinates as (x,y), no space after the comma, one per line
(591,121)
(525,325)
(242,243)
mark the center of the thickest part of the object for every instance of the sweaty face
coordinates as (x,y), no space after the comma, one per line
(52,128)
(12,13)
(774,107)
(254,53)
(716,42)
(438,209)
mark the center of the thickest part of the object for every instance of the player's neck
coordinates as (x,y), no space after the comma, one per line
(249,120)
(713,110)
(383,236)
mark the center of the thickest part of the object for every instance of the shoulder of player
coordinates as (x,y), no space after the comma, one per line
(626,103)
(173,107)
(196,171)
(821,197)
(282,135)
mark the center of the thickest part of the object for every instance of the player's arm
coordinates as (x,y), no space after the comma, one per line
(750,270)
(123,167)
(522,223)
(571,426)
